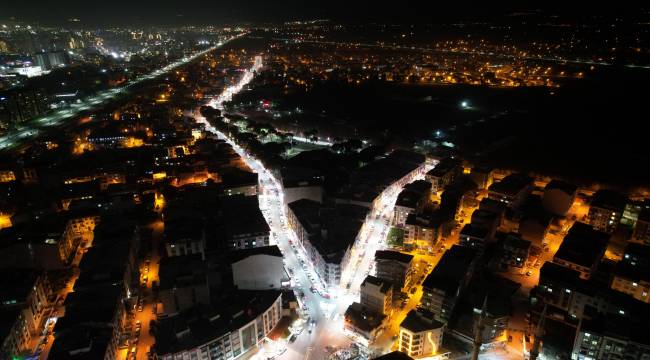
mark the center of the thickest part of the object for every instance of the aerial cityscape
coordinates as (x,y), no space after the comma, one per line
(325,181)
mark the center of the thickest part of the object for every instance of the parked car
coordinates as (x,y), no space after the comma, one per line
(293,338)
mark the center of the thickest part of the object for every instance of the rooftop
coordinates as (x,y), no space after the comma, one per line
(474,230)
(563,186)
(492,205)
(393,255)
(451,269)
(644,215)
(308,214)
(242,216)
(416,323)
(511,185)
(203,324)
(383,285)
(363,318)
(331,228)
(445,166)
(239,255)
(92,305)
(182,271)
(234,177)
(583,245)
(394,355)
(16,284)
(295,176)
(618,327)
(609,199)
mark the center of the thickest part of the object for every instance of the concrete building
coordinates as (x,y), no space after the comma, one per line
(328,233)
(184,236)
(238,182)
(367,184)
(443,174)
(24,302)
(569,296)
(511,190)
(94,323)
(7,175)
(420,335)
(514,250)
(377,295)
(183,283)
(22,104)
(559,197)
(303,217)
(606,210)
(394,355)
(474,236)
(535,227)
(393,266)
(243,225)
(228,332)
(411,200)
(611,337)
(112,259)
(259,269)
(51,59)
(484,311)
(497,207)
(426,229)
(582,249)
(48,243)
(641,232)
(483,177)
(632,273)
(301,183)
(486,219)
(444,284)
(363,323)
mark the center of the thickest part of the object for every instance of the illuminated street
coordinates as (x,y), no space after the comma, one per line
(328,313)
(258,180)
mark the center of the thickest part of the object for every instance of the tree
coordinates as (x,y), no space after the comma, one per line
(312,134)
(338,148)
(209,112)
(355,144)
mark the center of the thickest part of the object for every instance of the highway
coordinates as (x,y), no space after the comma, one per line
(319,332)
(36,126)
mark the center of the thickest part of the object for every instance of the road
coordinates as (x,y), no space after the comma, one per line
(328,328)
(36,126)
(323,306)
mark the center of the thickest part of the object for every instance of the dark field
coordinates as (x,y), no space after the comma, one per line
(589,130)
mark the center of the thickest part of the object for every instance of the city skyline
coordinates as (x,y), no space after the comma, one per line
(324,181)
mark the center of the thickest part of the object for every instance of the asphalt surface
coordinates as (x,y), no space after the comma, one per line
(320,330)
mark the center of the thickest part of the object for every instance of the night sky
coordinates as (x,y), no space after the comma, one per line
(168,12)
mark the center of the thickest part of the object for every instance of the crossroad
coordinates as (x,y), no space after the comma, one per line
(321,329)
